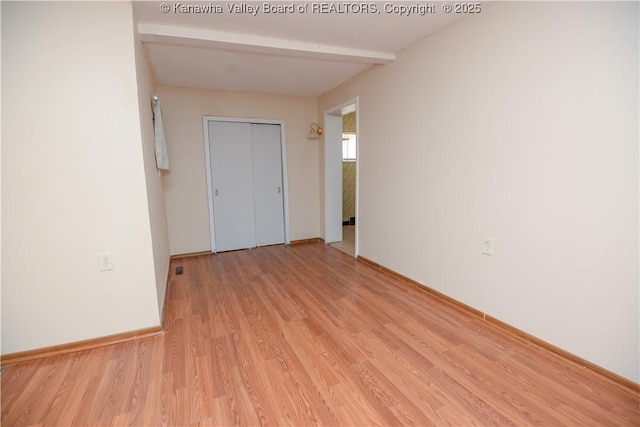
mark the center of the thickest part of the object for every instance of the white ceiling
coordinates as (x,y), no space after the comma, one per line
(303,54)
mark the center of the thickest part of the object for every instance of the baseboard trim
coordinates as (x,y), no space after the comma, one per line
(612,376)
(190,255)
(306,241)
(467,309)
(23,356)
(166,296)
(620,381)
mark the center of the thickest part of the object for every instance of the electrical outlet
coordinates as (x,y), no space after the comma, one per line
(105,263)
(487,246)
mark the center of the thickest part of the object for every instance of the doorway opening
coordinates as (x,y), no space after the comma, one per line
(341,171)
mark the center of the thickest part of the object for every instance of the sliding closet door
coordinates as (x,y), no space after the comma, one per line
(267,184)
(232,185)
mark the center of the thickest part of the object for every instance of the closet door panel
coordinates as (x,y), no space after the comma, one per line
(232,184)
(267,184)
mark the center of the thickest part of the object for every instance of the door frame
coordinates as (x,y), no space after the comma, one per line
(333,186)
(207,151)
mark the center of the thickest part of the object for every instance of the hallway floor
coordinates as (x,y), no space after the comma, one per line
(348,244)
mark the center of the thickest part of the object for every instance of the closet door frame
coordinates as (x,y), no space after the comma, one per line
(207,150)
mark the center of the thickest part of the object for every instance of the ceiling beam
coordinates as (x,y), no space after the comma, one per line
(193,37)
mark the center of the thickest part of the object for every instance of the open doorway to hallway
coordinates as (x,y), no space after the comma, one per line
(349,163)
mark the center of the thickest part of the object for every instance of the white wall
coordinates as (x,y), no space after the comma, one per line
(73,181)
(155,191)
(520,124)
(186,186)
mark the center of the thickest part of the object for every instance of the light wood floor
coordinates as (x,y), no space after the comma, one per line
(307,335)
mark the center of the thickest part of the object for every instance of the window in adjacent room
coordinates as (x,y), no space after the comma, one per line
(349,147)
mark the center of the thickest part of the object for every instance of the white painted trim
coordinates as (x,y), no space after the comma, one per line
(357,243)
(207,155)
(337,110)
(208,39)
(285,184)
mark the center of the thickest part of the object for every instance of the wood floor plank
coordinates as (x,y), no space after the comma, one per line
(306,335)
(354,409)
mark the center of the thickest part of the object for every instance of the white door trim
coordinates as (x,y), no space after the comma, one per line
(285,186)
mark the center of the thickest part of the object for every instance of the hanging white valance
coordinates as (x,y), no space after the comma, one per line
(162,160)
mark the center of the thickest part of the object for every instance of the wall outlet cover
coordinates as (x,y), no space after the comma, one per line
(487,246)
(105,262)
